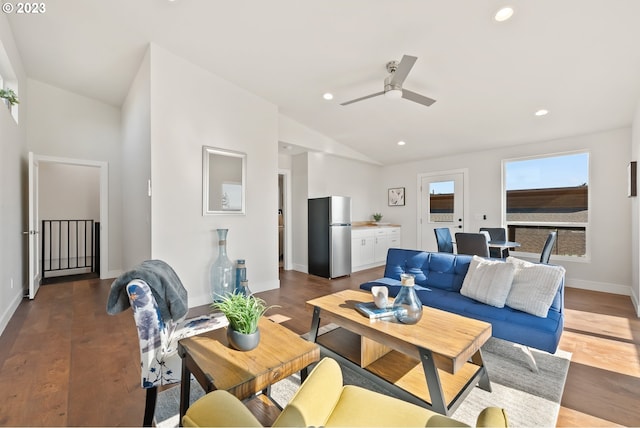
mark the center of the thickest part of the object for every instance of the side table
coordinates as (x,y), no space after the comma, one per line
(215,365)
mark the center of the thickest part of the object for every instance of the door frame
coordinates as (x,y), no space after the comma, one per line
(104,202)
(288,237)
(34,276)
(465,198)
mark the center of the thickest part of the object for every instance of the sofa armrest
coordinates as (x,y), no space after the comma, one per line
(219,409)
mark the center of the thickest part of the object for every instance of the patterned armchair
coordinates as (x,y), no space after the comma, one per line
(160,363)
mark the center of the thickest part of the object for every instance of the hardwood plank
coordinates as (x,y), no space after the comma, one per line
(601,330)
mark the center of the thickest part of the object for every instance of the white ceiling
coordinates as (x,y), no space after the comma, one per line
(580,59)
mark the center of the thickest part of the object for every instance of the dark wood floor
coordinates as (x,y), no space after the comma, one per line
(65,362)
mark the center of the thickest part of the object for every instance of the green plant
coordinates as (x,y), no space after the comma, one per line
(243,312)
(377,216)
(10,96)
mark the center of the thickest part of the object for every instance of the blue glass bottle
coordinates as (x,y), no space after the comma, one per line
(241,275)
(221,274)
(244,288)
(407,307)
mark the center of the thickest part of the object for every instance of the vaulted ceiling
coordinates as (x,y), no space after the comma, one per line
(579,59)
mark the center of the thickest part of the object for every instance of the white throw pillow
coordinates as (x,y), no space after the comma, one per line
(488,281)
(534,286)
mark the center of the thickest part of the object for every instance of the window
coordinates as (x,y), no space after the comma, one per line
(8,79)
(545,194)
(441,195)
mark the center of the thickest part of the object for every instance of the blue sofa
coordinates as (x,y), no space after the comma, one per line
(438,279)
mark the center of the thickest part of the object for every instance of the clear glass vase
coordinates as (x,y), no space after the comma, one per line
(407,307)
(221,274)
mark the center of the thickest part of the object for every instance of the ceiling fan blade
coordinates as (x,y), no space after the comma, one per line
(404,67)
(417,98)
(361,98)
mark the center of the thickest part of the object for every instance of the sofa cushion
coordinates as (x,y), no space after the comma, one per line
(534,286)
(359,407)
(437,270)
(488,281)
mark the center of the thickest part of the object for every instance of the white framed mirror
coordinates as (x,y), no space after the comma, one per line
(223,181)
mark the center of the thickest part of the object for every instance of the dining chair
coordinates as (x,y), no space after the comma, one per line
(472,244)
(545,255)
(497,234)
(443,238)
(159,327)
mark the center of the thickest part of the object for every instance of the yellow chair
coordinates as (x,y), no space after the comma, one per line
(323,400)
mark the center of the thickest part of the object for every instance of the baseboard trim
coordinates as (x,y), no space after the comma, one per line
(604,287)
(111,274)
(636,302)
(301,268)
(9,311)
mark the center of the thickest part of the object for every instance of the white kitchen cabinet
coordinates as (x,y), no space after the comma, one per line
(369,246)
(380,245)
(362,251)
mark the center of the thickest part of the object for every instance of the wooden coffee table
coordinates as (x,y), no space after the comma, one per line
(215,365)
(442,348)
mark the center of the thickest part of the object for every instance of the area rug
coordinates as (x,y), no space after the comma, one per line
(530,399)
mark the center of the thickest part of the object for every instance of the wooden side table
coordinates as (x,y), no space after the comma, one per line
(215,365)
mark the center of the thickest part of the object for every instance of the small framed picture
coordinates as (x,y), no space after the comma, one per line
(396,196)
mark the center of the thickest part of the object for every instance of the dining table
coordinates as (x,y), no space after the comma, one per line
(504,246)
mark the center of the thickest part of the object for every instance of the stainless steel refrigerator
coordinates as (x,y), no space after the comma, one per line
(329,246)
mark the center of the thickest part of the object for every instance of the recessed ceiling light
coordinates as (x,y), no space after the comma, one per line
(542,112)
(328,96)
(401,143)
(503,14)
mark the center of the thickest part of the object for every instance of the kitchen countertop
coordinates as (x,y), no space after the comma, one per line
(370,225)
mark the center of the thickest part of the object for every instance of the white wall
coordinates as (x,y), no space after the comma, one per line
(66,125)
(610,266)
(337,176)
(213,112)
(315,175)
(635,217)
(13,208)
(136,169)
(68,192)
(292,132)
(299,196)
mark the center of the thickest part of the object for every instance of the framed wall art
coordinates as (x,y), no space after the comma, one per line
(396,197)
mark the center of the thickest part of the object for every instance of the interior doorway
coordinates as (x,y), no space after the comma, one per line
(441,204)
(69,211)
(285,259)
(35,198)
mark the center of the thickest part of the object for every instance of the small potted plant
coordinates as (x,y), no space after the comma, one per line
(243,313)
(377,217)
(9,97)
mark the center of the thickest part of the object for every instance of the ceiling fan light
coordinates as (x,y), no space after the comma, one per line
(503,14)
(393,94)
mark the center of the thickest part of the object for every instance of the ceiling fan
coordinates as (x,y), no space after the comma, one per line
(398,72)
